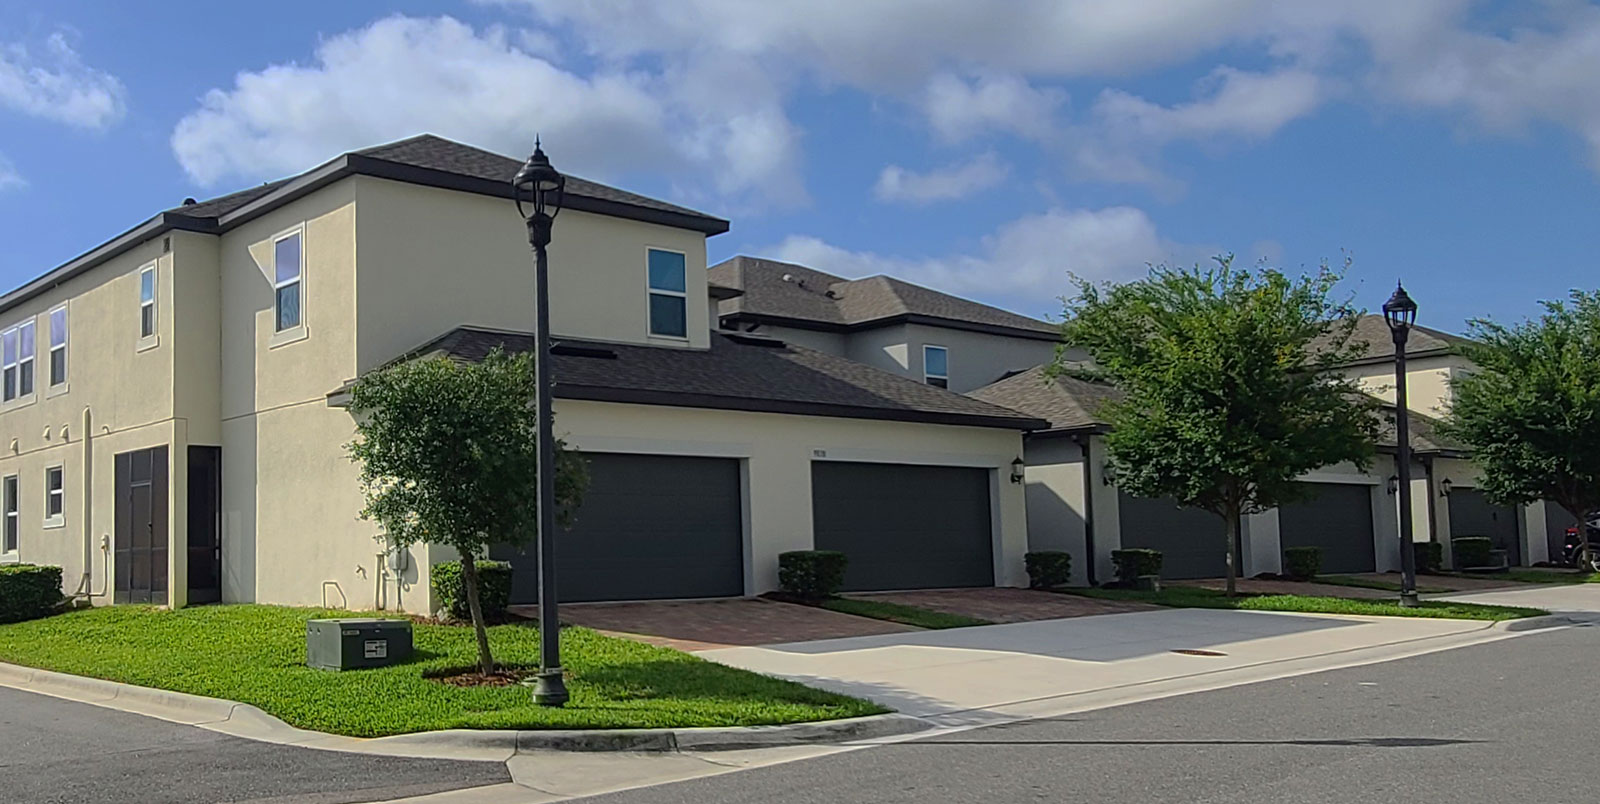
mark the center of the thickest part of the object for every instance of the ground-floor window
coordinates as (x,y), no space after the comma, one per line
(54,495)
(8,542)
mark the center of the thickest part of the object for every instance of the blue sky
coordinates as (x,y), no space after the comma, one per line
(984,149)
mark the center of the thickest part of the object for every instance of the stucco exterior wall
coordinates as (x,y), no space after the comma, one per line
(433,260)
(1427,382)
(975,358)
(1057,510)
(778,450)
(833,343)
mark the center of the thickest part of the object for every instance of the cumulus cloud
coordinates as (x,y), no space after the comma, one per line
(10,179)
(1025,264)
(896,183)
(401,75)
(958,108)
(53,83)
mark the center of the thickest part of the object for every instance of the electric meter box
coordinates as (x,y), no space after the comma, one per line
(355,643)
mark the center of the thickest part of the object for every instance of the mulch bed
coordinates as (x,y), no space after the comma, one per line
(501,677)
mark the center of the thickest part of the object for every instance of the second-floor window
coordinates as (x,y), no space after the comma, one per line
(669,298)
(287,264)
(58,346)
(147,301)
(936,366)
(16,369)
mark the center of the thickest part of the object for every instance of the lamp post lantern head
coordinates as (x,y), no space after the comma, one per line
(542,187)
(1399,312)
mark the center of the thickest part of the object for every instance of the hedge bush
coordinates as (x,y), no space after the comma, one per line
(812,574)
(1302,563)
(1048,569)
(1472,551)
(494,590)
(28,592)
(1132,563)
(1430,556)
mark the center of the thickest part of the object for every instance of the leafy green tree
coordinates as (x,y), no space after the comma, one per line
(448,455)
(1227,381)
(1530,410)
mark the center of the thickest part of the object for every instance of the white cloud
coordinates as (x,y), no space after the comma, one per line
(959,109)
(10,179)
(54,84)
(1024,264)
(400,76)
(896,183)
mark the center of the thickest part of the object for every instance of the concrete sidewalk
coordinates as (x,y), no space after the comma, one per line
(1046,668)
(1580,601)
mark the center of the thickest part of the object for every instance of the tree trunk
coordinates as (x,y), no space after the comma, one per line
(1231,518)
(469,574)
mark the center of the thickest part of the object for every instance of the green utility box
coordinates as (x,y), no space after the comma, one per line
(356,643)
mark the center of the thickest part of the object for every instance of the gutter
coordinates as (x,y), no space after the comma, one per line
(889,321)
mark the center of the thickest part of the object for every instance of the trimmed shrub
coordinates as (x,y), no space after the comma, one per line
(1430,556)
(811,574)
(1302,563)
(1472,551)
(1048,569)
(1134,562)
(450,590)
(28,592)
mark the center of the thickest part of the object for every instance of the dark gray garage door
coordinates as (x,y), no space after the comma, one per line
(650,527)
(905,527)
(1471,514)
(1190,540)
(1337,519)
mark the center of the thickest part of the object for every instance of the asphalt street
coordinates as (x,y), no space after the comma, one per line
(58,751)
(1509,721)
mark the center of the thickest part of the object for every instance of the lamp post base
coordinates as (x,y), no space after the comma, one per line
(1408,600)
(550,688)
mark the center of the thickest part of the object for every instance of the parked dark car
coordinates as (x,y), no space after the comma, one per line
(1572,547)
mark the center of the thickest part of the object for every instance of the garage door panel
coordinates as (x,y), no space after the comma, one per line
(650,527)
(1190,540)
(905,527)
(1337,519)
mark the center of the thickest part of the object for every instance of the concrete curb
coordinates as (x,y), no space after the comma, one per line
(249,722)
(1540,622)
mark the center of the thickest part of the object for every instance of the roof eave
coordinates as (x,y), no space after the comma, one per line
(889,321)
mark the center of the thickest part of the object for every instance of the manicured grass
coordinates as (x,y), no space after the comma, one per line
(1373,583)
(256,654)
(1531,575)
(1193,597)
(898,613)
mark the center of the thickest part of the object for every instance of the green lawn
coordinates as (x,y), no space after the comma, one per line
(1374,583)
(897,613)
(256,654)
(1193,597)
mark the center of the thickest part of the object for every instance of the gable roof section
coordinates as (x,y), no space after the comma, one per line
(738,372)
(1372,332)
(425,159)
(1068,403)
(812,299)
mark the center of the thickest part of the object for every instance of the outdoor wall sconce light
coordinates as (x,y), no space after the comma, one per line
(1019,470)
(1393,484)
(1444,487)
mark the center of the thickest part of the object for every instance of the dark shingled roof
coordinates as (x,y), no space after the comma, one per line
(1372,332)
(1424,432)
(824,301)
(738,372)
(1067,402)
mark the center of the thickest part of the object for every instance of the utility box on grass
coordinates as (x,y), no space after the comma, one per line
(355,643)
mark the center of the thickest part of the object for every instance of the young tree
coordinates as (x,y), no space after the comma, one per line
(1227,382)
(448,453)
(1531,409)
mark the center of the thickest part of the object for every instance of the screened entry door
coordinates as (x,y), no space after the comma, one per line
(140,549)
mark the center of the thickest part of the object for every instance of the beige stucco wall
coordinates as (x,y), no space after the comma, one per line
(976,359)
(1057,512)
(1427,382)
(833,343)
(432,260)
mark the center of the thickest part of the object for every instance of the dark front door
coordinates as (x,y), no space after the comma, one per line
(141,526)
(904,526)
(1337,519)
(1471,514)
(205,524)
(650,527)
(1190,540)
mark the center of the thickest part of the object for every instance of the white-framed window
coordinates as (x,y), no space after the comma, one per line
(55,496)
(936,365)
(147,302)
(16,361)
(58,346)
(669,297)
(12,530)
(288,267)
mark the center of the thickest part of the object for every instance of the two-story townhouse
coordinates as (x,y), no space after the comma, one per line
(200,435)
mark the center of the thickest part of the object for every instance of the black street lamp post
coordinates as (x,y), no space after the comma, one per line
(1400,312)
(541,186)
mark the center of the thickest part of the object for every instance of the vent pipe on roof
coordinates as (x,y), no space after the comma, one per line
(189,202)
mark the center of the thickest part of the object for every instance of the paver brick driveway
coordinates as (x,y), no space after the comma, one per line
(707,624)
(1004,605)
